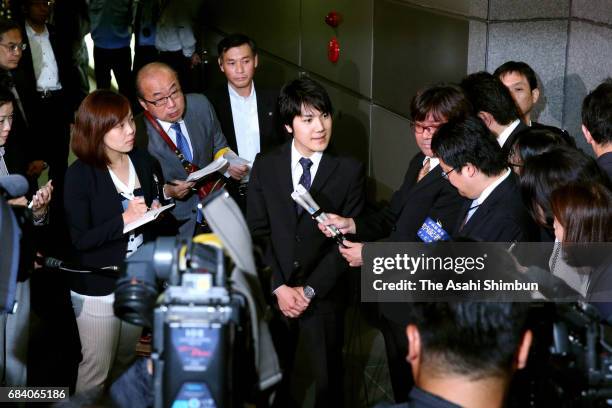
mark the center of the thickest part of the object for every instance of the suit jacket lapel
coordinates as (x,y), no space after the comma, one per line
(434,175)
(143,176)
(487,206)
(226,116)
(326,168)
(264,113)
(285,181)
(461,229)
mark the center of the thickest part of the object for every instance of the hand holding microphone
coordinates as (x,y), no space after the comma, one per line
(305,200)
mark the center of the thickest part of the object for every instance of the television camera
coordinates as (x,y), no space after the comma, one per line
(195,299)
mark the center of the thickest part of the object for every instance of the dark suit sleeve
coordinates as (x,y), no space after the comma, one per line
(214,127)
(258,221)
(377,225)
(78,203)
(328,272)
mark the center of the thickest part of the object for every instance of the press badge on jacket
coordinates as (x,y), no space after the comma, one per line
(431,231)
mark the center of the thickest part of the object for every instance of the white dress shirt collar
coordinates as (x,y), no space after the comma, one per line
(487,191)
(296,167)
(433,162)
(234,94)
(167,126)
(503,136)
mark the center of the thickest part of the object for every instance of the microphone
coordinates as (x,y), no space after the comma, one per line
(305,200)
(14,185)
(54,263)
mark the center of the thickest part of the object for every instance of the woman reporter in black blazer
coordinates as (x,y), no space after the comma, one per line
(110,185)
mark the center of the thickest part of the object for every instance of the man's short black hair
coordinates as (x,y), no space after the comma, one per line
(444,102)
(488,94)
(8,25)
(473,339)
(301,92)
(597,112)
(519,67)
(458,143)
(235,40)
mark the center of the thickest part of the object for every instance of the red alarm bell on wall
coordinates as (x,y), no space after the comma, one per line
(333,19)
(333,50)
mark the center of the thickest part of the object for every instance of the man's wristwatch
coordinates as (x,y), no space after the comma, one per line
(309,292)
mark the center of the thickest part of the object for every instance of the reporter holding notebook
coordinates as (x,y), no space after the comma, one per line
(112,184)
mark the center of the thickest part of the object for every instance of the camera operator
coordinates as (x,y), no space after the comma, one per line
(464,354)
(14,328)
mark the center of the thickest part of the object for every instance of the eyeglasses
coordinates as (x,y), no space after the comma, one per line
(516,165)
(446,173)
(15,48)
(164,100)
(6,119)
(419,128)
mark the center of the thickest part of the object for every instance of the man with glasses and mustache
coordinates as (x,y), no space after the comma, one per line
(190,123)
(424,196)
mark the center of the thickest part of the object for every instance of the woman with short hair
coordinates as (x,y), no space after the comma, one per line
(110,185)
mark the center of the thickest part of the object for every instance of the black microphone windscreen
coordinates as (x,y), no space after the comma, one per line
(53,263)
(14,185)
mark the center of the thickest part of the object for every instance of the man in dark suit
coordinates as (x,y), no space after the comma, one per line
(493,103)
(307,269)
(423,194)
(597,124)
(247,113)
(44,80)
(190,122)
(472,162)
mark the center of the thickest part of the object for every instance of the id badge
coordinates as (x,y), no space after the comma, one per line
(432,231)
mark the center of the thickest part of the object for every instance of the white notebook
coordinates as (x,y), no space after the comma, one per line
(146,218)
(217,165)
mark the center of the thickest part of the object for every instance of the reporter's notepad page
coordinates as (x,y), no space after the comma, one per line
(211,168)
(146,218)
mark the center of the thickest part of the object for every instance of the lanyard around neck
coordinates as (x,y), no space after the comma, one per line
(126,191)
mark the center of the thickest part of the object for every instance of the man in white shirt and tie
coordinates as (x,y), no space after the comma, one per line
(190,123)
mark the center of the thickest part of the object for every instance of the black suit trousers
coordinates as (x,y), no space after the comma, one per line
(309,347)
(120,62)
(396,347)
